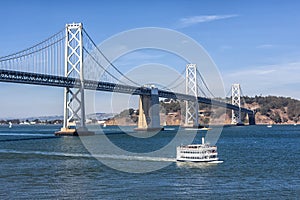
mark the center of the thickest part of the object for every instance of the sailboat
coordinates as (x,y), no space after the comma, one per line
(10,125)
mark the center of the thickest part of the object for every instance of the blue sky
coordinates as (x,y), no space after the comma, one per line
(254,43)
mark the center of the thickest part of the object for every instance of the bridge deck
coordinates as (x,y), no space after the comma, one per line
(58,81)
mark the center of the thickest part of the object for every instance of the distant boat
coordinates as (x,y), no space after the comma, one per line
(269,126)
(104,125)
(10,125)
(24,123)
(198,129)
(205,129)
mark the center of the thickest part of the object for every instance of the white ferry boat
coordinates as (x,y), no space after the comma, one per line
(198,153)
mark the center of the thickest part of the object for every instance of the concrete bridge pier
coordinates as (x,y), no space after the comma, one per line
(149,119)
(251,117)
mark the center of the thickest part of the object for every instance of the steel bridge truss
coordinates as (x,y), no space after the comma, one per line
(191,107)
(74,109)
(236,100)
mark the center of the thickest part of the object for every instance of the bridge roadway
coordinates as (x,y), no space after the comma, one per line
(59,81)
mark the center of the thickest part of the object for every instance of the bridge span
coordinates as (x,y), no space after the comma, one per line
(60,81)
(58,62)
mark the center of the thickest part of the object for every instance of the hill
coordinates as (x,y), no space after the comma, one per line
(269,110)
(273,109)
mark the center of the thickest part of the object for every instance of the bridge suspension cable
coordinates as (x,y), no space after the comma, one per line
(175,80)
(38,46)
(45,57)
(201,91)
(109,62)
(177,85)
(98,64)
(243,102)
(204,83)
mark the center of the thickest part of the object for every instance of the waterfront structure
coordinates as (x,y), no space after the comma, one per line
(58,62)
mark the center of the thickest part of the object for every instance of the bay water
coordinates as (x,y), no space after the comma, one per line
(259,163)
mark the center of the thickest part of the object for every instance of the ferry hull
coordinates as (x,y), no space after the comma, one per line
(197,160)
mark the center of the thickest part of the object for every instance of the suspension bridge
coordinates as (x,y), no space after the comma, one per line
(64,59)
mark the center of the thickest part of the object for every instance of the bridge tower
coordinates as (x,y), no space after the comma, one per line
(191,107)
(74,108)
(236,100)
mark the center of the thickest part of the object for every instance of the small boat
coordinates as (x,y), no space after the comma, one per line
(205,129)
(269,126)
(198,153)
(10,125)
(198,129)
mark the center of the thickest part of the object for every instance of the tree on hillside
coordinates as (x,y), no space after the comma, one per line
(276,117)
(293,110)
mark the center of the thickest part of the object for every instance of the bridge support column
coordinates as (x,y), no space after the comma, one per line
(149,119)
(74,108)
(251,118)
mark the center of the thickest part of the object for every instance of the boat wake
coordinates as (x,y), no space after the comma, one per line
(25,134)
(98,156)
